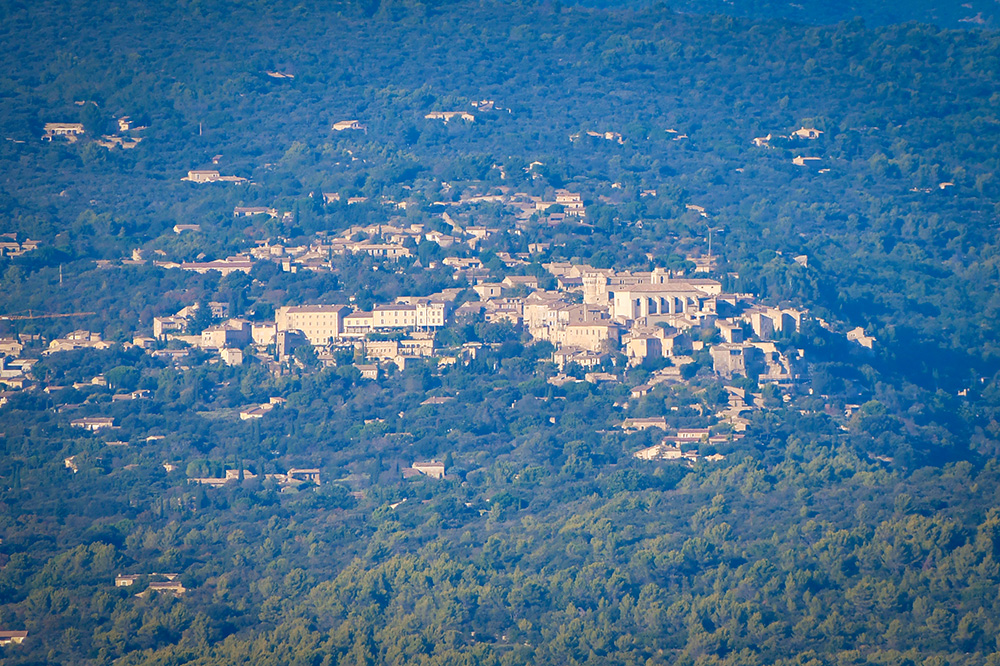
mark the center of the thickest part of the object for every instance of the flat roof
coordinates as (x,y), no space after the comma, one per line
(315,308)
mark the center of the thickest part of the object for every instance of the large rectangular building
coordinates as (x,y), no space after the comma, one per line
(592,336)
(421,313)
(667,298)
(319,323)
(396,315)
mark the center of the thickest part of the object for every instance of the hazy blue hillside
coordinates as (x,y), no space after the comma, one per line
(974,14)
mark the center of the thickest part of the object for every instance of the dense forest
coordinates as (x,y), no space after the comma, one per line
(945,14)
(856,521)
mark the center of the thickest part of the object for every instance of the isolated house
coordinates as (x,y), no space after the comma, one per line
(438,400)
(10,637)
(634,424)
(211,176)
(69,130)
(202,176)
(93,423)
(448,115)
(432,468)
(255,412)
(310,475)
(342,125)
(126,580)
(224,266)
(858,335)
(806,133)
(165,587)
(250,211)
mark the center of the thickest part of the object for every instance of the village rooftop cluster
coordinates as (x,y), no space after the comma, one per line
(600,322)
(595,320)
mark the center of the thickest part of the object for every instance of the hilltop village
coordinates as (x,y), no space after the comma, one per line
(636,329)
(592,316)
(642,330)
(600,324)
(550,333)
